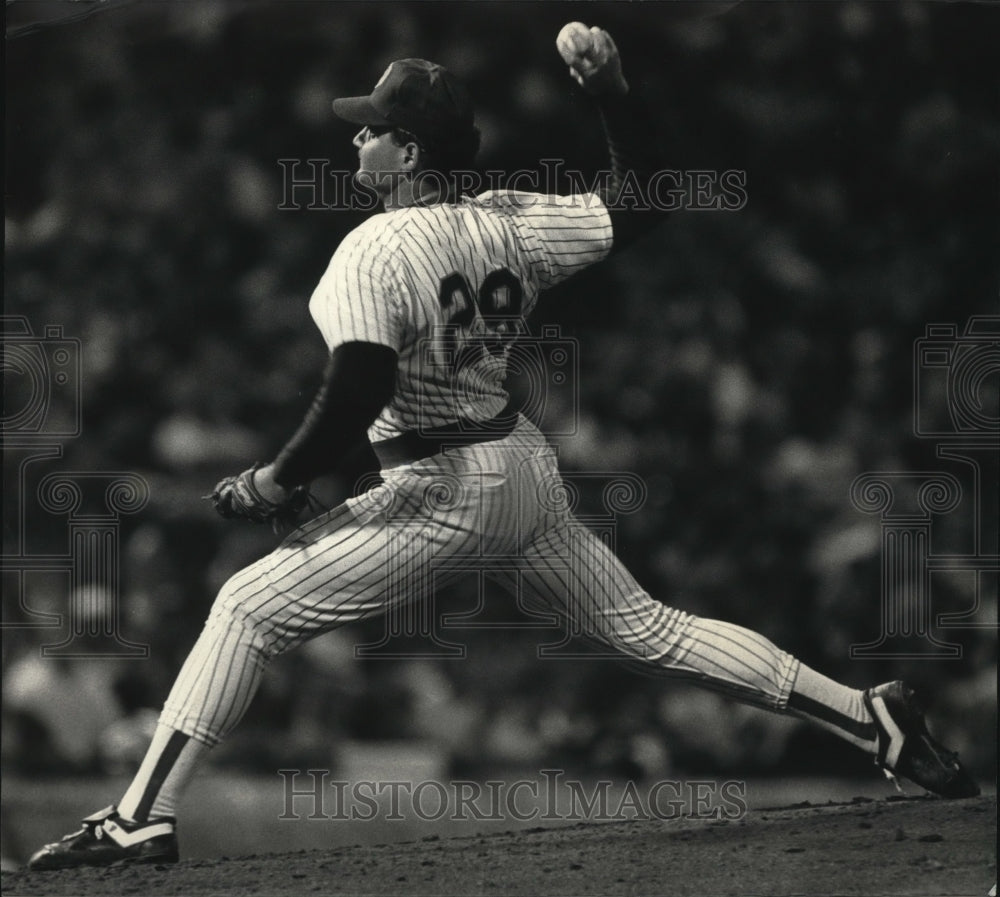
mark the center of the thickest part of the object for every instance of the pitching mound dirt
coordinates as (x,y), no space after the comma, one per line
(905,847)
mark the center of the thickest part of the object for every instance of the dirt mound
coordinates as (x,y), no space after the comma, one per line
(897,846)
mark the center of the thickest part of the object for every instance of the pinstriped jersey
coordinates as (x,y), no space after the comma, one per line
(448,287)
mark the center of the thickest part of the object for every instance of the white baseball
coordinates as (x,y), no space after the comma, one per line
(574,41)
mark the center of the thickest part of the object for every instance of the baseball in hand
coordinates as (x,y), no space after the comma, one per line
(592,58)
(573,40)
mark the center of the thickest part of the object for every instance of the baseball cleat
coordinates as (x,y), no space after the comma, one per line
(906,748)
(108,840)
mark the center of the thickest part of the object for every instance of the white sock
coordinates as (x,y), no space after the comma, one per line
(169,764)
(834,707)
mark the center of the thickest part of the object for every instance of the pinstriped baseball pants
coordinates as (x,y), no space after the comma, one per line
(490,505)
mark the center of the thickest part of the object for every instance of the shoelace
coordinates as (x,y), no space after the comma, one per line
(891,776)
(98,831)
(947,758)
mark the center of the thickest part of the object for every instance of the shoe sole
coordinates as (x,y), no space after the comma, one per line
(914,728)
(122,861)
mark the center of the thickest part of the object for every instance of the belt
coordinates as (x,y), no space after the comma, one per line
(415,445)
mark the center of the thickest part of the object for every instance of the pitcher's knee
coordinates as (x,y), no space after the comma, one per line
(236,605)
(643,627)
(228,598)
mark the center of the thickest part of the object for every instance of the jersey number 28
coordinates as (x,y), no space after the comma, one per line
(485,322)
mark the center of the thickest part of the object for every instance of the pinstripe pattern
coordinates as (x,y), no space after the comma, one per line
(383,283)
(488,505)
(385,548)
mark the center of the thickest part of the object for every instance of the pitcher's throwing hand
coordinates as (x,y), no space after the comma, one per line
(593,59)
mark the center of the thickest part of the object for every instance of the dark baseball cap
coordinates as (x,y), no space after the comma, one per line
(418,96)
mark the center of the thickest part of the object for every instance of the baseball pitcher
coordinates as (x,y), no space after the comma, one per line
(420,308)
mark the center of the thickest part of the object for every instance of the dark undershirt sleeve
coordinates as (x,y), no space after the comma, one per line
(634,149)
(358,383)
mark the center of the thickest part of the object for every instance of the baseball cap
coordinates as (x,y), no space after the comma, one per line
(418,96)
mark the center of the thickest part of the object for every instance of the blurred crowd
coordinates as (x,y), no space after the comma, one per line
(746,365)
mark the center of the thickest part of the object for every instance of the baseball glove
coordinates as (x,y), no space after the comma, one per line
(237,496)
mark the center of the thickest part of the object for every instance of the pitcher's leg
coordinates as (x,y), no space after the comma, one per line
(344,567)
(575,572)
(222,672)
